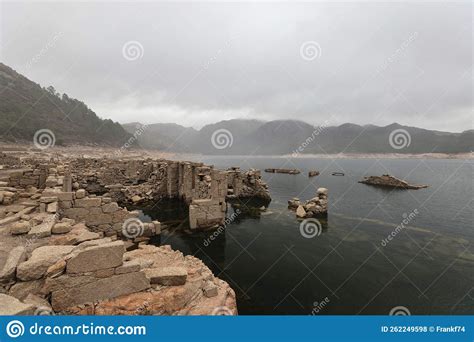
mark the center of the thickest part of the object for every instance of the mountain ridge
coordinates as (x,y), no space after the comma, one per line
(26,107)
(291,136)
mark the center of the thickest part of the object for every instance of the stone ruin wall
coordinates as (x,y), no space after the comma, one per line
(204,188)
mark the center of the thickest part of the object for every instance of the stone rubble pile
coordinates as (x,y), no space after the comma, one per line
(60,221)
(96,275)
(315,207)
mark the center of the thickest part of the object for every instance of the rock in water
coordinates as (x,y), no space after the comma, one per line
(391,182)
(300,212)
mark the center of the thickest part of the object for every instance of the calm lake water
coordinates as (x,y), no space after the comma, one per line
(428,268)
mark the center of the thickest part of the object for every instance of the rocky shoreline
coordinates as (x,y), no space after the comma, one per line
(69,247)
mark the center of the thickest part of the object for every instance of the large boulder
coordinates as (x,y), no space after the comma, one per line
(21,227)
(16,256)
(11,306)
(41,258)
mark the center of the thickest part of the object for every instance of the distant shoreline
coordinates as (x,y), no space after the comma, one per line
(26,148)
(357,156)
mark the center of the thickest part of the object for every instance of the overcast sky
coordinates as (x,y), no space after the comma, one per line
(198,63)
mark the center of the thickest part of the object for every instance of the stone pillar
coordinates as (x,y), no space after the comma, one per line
(67,182)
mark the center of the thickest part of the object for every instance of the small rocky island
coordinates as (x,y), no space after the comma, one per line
(390,182)
(69,245)
(315,207)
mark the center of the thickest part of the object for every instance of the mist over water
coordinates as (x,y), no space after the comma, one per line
(352,267)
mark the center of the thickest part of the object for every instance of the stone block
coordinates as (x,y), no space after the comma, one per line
(168,276)
(14,208)
(128,267)
(48,199)
(42,230)
(110,207)
(70,291)
(52,207)
(81,193)
(88,202)
(65,196)
(210,289)
(95,258)
(98,219)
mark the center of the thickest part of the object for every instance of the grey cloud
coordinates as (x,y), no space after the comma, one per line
(203,62)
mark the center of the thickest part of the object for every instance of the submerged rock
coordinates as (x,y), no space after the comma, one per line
(287,171)
(391,182)
(315,207)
